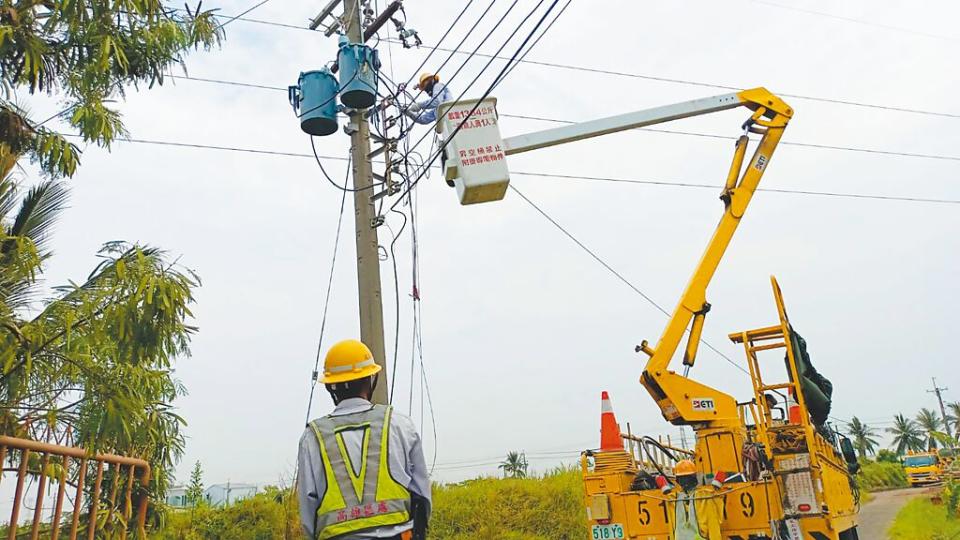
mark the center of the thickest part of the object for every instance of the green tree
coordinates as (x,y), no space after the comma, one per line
(930,423)
(195,488)
(863,437)
(954,409)
(85,54)
(887,456)
(907,435)
(515,465)
(92,363)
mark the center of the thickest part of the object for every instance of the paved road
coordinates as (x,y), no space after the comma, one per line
(877,515)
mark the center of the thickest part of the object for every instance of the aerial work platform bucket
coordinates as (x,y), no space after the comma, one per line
(315,101)
(475,159)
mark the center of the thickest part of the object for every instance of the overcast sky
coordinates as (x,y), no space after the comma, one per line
(521,328)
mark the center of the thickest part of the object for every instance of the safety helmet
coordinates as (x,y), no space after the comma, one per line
(684,467)
(426,77)
(348,360)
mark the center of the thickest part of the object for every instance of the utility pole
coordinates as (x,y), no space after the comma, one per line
(943,410)
(368,255)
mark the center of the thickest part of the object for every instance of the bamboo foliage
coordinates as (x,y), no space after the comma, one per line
(92,364)
(86,53)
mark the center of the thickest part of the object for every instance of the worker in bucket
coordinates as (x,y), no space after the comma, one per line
(362,472)
(425,112)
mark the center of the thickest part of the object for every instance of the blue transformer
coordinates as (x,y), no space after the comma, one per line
(359,66)
(315,100)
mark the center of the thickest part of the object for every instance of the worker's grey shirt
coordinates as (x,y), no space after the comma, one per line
(407,466)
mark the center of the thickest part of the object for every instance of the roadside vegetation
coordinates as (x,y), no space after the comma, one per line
(926,519)
(548,507)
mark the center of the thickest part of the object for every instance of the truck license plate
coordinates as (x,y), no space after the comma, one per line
(605,532)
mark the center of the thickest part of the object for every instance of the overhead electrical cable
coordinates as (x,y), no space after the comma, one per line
(671,80)
(244,12)
(496,80)
(258,151)
(483,70)
(918,155)
(344,187)
(326,301)
(613,271)
(857,21)
(536,41)
(476,49)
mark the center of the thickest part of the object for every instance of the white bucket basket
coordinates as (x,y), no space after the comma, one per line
(476,160)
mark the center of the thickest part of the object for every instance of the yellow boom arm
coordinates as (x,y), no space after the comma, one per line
(683,400)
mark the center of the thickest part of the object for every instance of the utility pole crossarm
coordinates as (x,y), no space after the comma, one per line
(324,13)
(620,122)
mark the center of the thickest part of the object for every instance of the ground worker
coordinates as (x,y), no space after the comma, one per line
(697,510)
(362,474)
(425,112)
(685,511)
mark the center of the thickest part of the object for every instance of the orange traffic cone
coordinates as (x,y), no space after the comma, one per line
(609,430)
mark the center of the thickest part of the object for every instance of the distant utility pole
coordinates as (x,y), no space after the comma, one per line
(943,410)
(368,255)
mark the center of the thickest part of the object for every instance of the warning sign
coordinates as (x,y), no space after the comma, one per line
(475,160)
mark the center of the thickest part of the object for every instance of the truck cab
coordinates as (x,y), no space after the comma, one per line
(922,468)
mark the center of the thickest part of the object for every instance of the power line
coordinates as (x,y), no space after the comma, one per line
(545,174)
(615,272)
(244,12)
(655,78)
(785,143)
(326,302)
(941,157)
(496,80)
(854,20)
(716,187)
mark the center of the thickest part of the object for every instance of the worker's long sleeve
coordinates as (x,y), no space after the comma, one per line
(428,107)
(416,465)
(311,483)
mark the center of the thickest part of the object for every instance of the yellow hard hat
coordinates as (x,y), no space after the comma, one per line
(348,360)
(684,467)
(425,77)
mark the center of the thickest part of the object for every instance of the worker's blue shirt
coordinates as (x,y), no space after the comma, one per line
(428,108)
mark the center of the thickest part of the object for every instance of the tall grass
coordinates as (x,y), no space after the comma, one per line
(548,508)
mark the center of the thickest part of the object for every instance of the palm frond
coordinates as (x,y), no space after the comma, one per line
(39,211)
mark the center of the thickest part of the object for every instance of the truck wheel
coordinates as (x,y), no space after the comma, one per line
(850,535)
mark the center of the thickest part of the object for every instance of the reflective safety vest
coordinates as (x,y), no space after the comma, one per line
(685,518)
(358,500)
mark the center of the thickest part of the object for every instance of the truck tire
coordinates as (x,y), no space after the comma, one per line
(850,534)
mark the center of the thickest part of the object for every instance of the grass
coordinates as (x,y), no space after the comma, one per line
(920,519)
(542,508)
(547,508)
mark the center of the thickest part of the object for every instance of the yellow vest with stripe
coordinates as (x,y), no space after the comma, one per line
(358,500)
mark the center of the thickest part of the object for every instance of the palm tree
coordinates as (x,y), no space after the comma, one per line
(930,423)
(954,409)
(907,436)
(863,437)
(515,465)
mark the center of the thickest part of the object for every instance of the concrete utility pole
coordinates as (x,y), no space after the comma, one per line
(368,256)
(943,410)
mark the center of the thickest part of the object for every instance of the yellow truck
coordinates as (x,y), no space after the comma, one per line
(922,468)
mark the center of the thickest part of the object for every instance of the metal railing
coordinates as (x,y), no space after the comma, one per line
(60,478)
